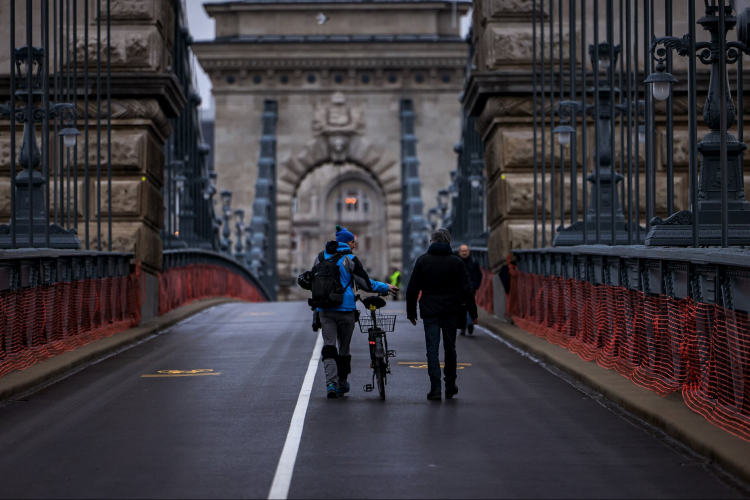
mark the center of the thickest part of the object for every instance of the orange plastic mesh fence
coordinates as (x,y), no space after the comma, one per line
(180,286)
(658,342)
(484,295)
(39,322)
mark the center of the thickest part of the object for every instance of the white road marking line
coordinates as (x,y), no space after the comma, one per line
(282,480)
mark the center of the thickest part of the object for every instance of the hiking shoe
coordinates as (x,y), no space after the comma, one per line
(435,395)
(332,390)
(343,389)
(462,331)
(450,391)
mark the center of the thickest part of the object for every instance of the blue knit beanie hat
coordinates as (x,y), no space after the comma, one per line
(343,235)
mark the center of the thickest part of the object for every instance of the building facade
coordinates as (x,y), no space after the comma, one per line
(338,72)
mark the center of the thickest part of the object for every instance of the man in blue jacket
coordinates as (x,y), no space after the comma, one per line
(337,323)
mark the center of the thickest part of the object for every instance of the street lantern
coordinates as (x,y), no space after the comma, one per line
(566,109)
(564,133)
(661,82)
(179,182)
(22,66)
(226,199)
(240,214)
(600,52)
(443,197)
(434,216)
(70,135)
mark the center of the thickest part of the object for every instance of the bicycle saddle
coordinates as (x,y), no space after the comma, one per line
(373,300)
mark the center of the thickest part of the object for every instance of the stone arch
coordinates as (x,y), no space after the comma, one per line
(295,166)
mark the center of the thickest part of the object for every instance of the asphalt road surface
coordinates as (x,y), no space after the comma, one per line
(204,410)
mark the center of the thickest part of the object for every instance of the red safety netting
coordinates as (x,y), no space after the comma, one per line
(484,296)
(182,285)
(44,321)
(658,342)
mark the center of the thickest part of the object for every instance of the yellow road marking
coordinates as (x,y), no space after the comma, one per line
(422,362)
(423,366)
(182,373)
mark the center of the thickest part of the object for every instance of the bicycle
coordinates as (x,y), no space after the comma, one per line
(376,327)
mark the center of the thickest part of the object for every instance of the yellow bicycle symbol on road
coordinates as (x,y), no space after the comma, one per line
(182,373)
(176,372)
(423,366)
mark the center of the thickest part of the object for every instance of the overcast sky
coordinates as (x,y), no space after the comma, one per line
(202,28)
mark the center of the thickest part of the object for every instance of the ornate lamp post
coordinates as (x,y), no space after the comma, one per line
(443,199)
(433,217)
(29,182)
(214,215)
(476,203)
(677,229)
(239,225)
(606,193)
(173,206)
(226,242)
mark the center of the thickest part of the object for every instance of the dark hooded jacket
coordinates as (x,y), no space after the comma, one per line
(475,272)
(443,280)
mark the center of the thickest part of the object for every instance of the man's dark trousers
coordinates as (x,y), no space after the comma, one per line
(432,328)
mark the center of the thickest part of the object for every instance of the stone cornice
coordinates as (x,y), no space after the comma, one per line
(238,6)
(163,87)
(331,62)
(483,85)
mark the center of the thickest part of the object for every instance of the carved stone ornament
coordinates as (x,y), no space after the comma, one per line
(337,123)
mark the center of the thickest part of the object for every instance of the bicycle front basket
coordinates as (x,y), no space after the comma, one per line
(386,322)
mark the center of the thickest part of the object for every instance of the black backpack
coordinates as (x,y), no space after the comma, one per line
(325,283)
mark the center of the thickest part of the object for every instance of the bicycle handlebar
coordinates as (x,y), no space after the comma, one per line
(379,294)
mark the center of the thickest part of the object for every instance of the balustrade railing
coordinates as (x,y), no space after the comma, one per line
(191,218)
(614,108)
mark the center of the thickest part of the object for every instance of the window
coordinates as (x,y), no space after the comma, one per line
(352,203)
(365,204)
(368,243)
(295,206)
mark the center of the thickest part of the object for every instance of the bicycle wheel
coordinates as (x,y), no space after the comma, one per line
(380,374)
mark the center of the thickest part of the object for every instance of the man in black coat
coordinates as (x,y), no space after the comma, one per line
(475,278)
(443,280)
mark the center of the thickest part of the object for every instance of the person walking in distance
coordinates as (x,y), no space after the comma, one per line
(395,280)
(446,290)
(465,322)
(336,274)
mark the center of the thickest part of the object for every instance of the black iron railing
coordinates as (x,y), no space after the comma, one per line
(621,86)
(190,187)
(461,207)
(61,196)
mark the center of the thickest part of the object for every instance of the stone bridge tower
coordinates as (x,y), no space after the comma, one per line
(338,72)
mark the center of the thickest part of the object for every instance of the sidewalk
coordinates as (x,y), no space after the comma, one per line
(21,381)
(669,414)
